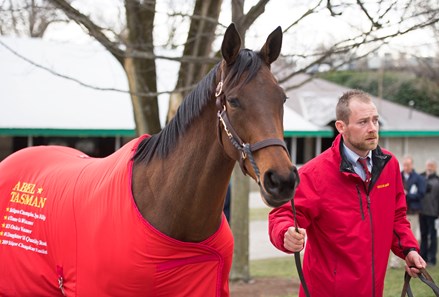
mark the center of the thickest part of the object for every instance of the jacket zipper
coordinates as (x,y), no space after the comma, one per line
(373,250)
(361,202)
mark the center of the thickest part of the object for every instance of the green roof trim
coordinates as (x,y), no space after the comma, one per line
(66,132)
(322,133)
(132,132)
(409,133)
(383,133)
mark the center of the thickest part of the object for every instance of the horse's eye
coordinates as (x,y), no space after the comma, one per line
(233,102)
(286,98)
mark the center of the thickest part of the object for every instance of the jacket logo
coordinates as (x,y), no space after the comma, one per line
(383,186)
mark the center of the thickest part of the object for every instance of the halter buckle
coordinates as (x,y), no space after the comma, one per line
(219,89)
(243,155)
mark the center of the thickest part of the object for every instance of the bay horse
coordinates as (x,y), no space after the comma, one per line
(147,220)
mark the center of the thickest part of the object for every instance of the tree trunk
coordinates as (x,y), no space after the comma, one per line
(141,73)
(240,225)
(198,44)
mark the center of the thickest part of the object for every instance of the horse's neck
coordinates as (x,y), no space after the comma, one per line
(184,196)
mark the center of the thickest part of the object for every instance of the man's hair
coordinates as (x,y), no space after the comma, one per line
(408,157)
(431,161)
(342,111)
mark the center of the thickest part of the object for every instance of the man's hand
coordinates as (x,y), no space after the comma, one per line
(294,241)
(414,262)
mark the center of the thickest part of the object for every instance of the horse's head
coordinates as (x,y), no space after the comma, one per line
(250,112)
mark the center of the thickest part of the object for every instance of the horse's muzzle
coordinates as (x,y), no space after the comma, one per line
(278,189)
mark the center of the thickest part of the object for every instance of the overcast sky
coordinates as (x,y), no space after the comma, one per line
(320,28)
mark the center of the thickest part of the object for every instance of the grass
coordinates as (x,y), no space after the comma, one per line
(285,267)
(274,267)
(395,279)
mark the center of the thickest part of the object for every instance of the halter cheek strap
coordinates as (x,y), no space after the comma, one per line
(246,150)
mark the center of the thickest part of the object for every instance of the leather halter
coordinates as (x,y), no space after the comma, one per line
(246,150)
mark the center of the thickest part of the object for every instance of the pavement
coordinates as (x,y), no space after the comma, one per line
(260,245)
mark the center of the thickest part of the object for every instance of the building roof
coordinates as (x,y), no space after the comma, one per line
(316,99)
(43,94)
(296,125)
(36,98)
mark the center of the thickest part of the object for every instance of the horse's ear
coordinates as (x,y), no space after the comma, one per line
(231,44)
(271,49)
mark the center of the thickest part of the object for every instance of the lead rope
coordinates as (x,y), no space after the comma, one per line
(297,255)
(425,277)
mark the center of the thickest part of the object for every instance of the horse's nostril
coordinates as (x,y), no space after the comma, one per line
(271,180)
(280,186)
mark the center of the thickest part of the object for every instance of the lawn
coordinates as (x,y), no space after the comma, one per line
(285,267)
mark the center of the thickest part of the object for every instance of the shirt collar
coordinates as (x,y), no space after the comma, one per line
(353,157)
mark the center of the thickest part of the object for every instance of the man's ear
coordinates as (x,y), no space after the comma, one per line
(340,126)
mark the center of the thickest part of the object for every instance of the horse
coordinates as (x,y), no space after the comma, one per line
(148,219)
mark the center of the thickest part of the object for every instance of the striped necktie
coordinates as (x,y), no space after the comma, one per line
(363,163)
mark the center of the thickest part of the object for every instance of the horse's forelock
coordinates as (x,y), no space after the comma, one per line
(248,63)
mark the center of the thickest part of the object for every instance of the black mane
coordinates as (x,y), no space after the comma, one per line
(162,143)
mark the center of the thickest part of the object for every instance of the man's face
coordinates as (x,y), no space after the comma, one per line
(407,165)
(361,133)
(430,168)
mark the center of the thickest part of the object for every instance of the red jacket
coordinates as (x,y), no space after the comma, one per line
(349,232)
(66,215)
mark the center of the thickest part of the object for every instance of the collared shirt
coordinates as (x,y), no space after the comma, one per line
(353,159)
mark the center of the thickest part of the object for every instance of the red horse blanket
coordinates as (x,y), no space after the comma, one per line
(69,225)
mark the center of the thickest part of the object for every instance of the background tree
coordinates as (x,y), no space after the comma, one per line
(27,17)
(371,24)
(363,27)
(134,51)
(201,35)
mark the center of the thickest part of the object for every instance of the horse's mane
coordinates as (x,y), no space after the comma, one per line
(162,143)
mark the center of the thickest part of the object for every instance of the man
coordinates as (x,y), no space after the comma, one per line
(414,188)
(352,217)
(429,213)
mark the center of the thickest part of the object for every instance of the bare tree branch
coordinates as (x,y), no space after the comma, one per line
(92,28)
(411,15)
(366,12)
(252,15)
(304,15)
(330,7)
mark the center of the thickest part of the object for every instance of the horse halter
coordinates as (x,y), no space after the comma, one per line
(245,149)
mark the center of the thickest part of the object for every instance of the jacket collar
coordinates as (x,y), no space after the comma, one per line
(431,176)
(379,159)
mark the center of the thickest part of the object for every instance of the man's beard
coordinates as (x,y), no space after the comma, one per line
(366,145)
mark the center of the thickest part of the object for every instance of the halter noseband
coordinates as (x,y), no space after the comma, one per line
(245,149)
